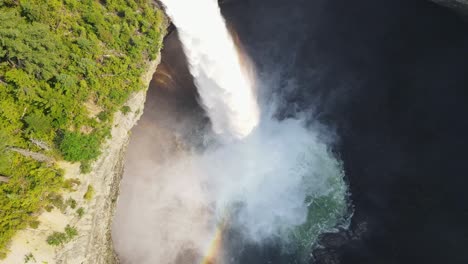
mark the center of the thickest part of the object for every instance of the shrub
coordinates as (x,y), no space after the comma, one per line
(104,116)
(34,224)
(57,201)
(125,109)
(29,257)
(76,146)
(38,123)
(72,203)
(56,239)
(48,208)
(60,238)
(71,184)
(80,212)
(85,167)
(71,232)
(89,193)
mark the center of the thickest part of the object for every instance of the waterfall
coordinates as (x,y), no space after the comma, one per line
(274,180)
(226,91)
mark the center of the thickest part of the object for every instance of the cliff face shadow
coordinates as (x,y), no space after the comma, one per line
(171,108)
(172,122)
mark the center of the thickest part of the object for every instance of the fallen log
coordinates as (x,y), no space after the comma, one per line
(34,155)
(40,144)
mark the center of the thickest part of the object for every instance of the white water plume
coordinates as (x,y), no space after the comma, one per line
(261,183)
(270,180)
(225,88)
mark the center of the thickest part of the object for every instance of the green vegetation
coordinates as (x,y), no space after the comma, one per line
(71,232)
(29,257)
(71,184)
(88,196)
(25,194)
(125,109)
(56,200)
(80,212)
(65,67)
(85,167)
(34,224)
(60,238)
(72,203)
(76,146)
(56,239)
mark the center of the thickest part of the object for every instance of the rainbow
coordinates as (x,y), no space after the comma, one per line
(213,252)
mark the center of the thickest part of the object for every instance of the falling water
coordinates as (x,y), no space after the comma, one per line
(268,180)
(225,88)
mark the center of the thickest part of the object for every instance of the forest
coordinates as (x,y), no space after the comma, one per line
(66,66)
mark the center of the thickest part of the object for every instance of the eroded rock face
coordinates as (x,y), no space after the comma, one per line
(95,244)
(460,6)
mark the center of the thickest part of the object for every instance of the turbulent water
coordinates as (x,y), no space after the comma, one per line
(266,179)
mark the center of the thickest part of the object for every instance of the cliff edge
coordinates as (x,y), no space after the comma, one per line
(93,243)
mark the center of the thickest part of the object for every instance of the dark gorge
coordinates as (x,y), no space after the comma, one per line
(390,79)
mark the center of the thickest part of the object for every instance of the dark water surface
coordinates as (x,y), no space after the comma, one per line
(391,77)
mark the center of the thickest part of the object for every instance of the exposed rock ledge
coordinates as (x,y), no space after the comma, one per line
(93,244)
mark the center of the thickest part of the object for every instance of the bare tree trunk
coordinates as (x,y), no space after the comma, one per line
(37,156)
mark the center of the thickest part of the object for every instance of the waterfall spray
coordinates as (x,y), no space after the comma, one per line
(225,88)
(269,179)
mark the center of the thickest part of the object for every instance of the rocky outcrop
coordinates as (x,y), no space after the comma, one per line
(460,6)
